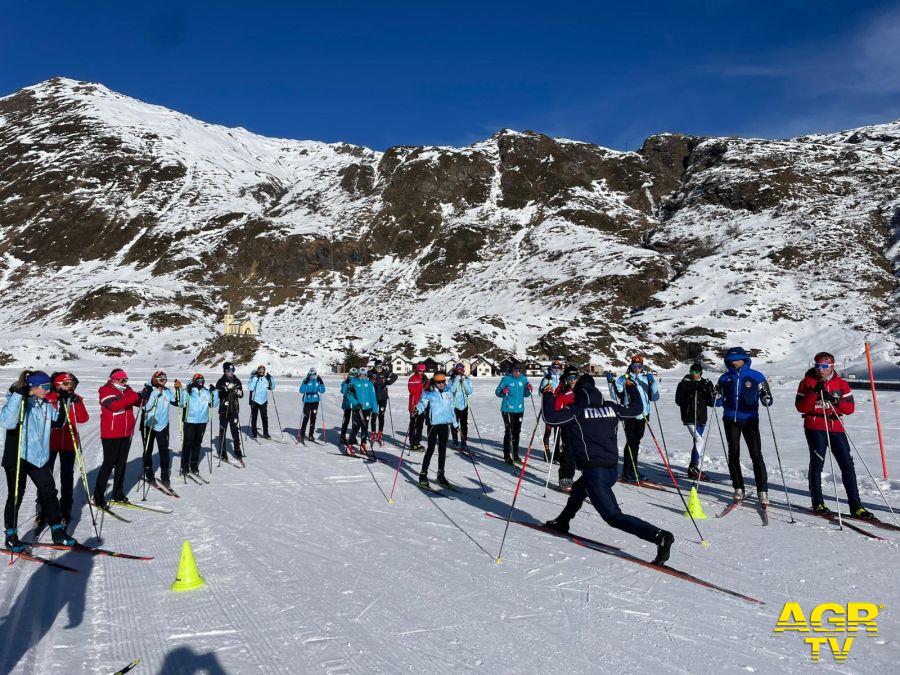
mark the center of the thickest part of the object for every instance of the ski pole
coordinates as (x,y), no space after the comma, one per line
(277,416)
(721,437)
(209,424)
(780,468)
(475,424)
(512,506)
(147,451)
(859,454)
(399,464)
(837,504)
(665,459)
(22,432)
(469,452)
(75,445)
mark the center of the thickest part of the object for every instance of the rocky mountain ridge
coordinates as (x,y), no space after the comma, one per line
(127,228)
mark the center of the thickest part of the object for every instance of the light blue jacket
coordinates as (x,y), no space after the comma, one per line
(646,385)
(39,418)
(156,408)
(550,379)
(518,391)
(195,402)
(311,389)
(361,392)
(440,407)
(260,388)
(461,388)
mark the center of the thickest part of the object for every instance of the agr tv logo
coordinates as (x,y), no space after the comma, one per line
(830,622)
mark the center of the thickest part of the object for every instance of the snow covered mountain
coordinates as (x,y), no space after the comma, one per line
(126,229)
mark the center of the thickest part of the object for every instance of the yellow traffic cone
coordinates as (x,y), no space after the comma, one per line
(188,578)
(694,507)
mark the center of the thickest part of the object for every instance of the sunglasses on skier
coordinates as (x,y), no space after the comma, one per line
(45,387)
(229,370)
(67,383)
(824,366)
(123,380)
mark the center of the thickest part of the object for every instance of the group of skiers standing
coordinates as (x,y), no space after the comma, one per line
(42,414)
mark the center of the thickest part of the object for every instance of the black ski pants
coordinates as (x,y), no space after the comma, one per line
(66,481)
(360,426)
(261,410)
(437,436)
(566,458)
(598,485)
(42,477)
(233,424)
(749,429)
(310,408)
(346,423)
(378,418)
(634,432)
(415,426)
(193,442)
(162,445)
(115,459)
(462,419)
(512,429)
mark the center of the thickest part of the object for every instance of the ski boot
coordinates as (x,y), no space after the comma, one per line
(694,473)
(423,481)
(664,541)
(565,485)
(122,499)
(267,437)
(40,520)
(822,510)
(60,536)
(763,497)
(373,436)
(558,525)
(738,495)
(381,438)
(12,541)
(350,451)
(516,460)
(862,513)
(442,480)
(508,459)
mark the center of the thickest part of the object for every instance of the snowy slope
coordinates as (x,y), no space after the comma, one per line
(309,569)
(148,223)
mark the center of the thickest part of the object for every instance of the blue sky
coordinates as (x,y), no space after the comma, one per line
(384,73)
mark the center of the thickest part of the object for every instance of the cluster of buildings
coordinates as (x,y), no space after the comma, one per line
(479,366)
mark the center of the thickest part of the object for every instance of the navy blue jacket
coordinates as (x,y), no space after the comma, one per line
(743,389)
(592,424)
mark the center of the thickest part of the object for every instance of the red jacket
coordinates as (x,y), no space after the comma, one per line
(562,397)
(116,414)
(61,439)
(810,403)
(416,385)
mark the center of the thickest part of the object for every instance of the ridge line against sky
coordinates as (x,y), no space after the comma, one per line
(455,74)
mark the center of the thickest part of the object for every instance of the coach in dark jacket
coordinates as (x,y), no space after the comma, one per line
(592,424)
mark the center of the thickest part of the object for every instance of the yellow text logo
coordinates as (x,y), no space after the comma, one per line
(830,626)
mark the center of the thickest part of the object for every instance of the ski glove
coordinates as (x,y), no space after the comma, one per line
(178,384)
(230,385)
(529,387)
(765,395)
(505,391)
(212,388)
(610,378)
(650,378)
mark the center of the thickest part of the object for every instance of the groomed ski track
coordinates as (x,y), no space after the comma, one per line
(309,569)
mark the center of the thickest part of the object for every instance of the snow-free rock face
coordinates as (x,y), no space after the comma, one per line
(126,228)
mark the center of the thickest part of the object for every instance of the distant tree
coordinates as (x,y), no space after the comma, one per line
(352,358)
